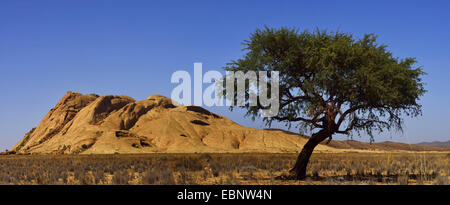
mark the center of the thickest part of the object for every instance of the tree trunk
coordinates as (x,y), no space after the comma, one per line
(299,170)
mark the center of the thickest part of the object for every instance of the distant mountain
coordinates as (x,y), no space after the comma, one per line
(379,146)
(386,146)
(437,144)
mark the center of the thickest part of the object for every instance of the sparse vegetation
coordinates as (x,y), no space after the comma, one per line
(324,168)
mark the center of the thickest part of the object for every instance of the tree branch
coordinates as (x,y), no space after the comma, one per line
(296,119)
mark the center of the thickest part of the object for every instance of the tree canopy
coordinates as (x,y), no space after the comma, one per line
(333,81)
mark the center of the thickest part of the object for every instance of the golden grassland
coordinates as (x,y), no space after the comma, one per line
(324,168)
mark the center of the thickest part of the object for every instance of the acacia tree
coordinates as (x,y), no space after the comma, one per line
(332,83)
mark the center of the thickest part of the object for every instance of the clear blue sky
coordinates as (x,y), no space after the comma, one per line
(132,47)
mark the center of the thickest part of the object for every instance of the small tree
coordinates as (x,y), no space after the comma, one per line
(332,83)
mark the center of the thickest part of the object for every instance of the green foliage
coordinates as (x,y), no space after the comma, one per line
(333,81)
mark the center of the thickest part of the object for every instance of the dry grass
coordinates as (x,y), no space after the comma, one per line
(324,168)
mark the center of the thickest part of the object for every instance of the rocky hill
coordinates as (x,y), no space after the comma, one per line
(88,124)
(92,124)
